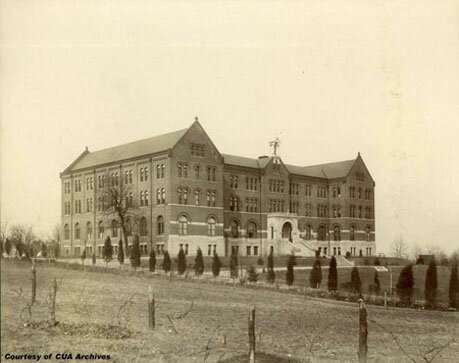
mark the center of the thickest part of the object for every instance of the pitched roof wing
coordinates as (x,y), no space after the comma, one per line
(130,150)
(329,171)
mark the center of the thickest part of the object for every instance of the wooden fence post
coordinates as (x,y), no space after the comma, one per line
(385,299)
(252,335)
(34,282)
(52,303)
(363,332)
(151,308)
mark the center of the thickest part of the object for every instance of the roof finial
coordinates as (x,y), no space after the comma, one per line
(275,145)
(86,148)
(358,154)
(196,118)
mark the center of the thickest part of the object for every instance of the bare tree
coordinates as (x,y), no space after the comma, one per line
(399,247)
(416,250)
(3,231)
(119,203)
(438,253)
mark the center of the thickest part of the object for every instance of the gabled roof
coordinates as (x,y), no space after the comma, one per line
(151,145)
(246,162)
(338,169)
(334,170)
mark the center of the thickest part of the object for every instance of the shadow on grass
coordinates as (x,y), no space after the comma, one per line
(261,358)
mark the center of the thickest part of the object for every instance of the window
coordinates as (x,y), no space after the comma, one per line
(158,196)
(142,200)
(249,250)
(129,200)
(352,211)
(308,212)
(251,182)
(352,233)
(145,176)
(321,192)
(251,230)
(360,176)
(208,198)
(337,233)
(101,230)
(143,229)
(163,168)
(213,198)
(145,194)
(197,171)
(360,211)
(234,203)
(234,181)
(209,250)
(308,190)
(294,207)
(360,193)
(158,171)
(197,194)
(234,229)
(185,195)
(351,192)
(322,234)
(255,250)
(294,189)
(179,195)
(183,225)
(160,225)
(197,149)
(141,174)
(89,230)
(322,211)
(163,196)
(368,234)
(211,226)
(66,232)
(114,228)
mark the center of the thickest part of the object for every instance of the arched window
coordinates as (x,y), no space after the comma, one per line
(128,227)
(126,177)
(158,171)
(114,228)
(179,170)
(185,195)
(197,171)
(146,174)
(211,226)
(185,171)
(163,168)
(234,227)
(208,198)
(337,233)
(163,195)
(368,234)
(66,232)
(251,230)
(130,176)
(352,233)
(77,231)
(183,225)
(213,197)
(321,235)
(158,196)
(179,195)
(143,229)
(160,225)
(197,194)
(141,174)
(146,198)
(89,230)
(209,169)
(101,229)
(142,201)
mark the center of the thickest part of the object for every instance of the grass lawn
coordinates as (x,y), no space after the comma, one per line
(285,323)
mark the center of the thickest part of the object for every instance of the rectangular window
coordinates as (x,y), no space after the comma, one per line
(249,250)
(209,250)
(186,248)
(255,250)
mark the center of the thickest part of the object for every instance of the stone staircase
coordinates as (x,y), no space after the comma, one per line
(343,262)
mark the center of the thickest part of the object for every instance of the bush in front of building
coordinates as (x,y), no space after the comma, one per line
(332,275)
(271,275)
(135,254)
(107,251)
(454,288)
(216,265)
(252,274)
(234,264)
(152,261)
(199,263)
(290,275)
(315,278)
(181,262)
(405,285)
(431,285)
(166,262)
(356,283)
(120,253)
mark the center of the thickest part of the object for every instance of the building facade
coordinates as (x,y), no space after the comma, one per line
(181,192)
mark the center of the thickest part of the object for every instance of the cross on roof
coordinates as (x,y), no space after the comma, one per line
(275,145)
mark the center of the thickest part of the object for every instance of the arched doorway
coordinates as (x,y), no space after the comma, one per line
(287,231)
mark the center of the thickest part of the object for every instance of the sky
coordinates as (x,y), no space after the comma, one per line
(329,78)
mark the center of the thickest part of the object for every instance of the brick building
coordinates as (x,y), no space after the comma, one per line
(183,192)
